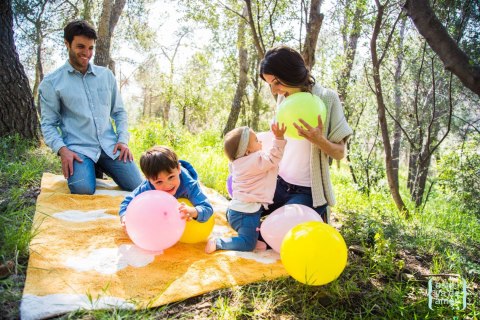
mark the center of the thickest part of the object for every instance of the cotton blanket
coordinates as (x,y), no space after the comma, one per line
(80,257)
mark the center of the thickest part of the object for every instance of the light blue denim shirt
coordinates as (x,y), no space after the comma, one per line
(77,109)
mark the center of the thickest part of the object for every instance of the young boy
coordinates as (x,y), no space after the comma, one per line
(163,171)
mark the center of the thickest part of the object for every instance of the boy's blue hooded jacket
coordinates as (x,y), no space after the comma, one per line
(189,189)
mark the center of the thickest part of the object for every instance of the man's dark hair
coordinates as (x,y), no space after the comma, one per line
(158,159)
(78,28)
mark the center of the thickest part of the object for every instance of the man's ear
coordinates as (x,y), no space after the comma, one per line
(66,44)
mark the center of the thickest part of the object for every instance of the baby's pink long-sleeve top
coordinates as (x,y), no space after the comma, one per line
(254,177)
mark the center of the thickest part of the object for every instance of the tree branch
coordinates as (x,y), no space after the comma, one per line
(437,37)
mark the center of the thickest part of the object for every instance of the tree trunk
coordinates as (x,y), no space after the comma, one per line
(412,168)
(421,173)
(397,130)
(437,37)
(397,198)
(146,103)
(111,11)
(17,109)
(350,51)
(87,11)
(38,65)
(242,78)
(256,93)
(257,39)
(255,109)
(314,24)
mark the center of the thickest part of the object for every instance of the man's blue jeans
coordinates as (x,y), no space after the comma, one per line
(246,225)
(125,174)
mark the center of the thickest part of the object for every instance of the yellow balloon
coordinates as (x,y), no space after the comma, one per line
(196,231)
(314,253)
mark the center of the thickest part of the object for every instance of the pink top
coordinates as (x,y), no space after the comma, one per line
(254,177)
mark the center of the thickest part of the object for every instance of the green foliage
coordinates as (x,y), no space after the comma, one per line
(21,167)
(459,176)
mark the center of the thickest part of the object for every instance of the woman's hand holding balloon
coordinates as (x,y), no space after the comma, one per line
(313,134)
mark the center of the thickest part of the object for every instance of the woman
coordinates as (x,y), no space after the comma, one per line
(305,179)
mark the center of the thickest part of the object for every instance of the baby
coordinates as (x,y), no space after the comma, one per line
(254,177)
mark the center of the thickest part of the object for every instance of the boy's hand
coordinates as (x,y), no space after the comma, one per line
(187,212)
(278,131)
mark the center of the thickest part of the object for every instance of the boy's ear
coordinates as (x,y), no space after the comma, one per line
(179,167)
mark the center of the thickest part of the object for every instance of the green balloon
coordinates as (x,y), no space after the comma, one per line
(300,105)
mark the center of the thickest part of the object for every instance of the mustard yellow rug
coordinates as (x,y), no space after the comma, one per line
(80,257)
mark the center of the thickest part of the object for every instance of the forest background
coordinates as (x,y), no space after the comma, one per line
(407,73)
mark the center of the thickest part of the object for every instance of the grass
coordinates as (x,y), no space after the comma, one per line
(387,278)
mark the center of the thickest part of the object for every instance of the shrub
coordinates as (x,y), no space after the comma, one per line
(459,176)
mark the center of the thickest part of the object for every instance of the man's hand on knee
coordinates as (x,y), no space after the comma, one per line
(125,153)
(68,156)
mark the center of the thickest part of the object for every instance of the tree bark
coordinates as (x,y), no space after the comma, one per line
(111,11)
(17,109)
(314,24)
(437,37)
(397,130)
(350,51)
(394,190)
(257,39)
(242,77)
(256,101)
(87,11)
(38,65)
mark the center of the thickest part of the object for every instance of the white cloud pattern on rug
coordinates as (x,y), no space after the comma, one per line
(40,307)
(83,216)
(111,260)
(112,193)
(265,257)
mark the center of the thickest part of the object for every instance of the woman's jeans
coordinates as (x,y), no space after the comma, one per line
(246,225)
(287,193)
(125,174)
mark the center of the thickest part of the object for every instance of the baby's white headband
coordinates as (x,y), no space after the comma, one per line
(243,143)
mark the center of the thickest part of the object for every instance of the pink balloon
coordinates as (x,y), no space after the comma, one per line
(153,221)
(279,222)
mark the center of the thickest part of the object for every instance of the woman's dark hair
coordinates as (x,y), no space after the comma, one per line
(78,28)
(288,66)
(156,160)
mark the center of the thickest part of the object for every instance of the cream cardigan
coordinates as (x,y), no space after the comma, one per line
(336,129)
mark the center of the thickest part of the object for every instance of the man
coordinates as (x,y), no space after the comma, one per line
(78,102)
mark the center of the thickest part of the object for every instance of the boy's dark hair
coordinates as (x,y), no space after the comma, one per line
(288,66)
(156,160)
(78,28)
(231,141)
